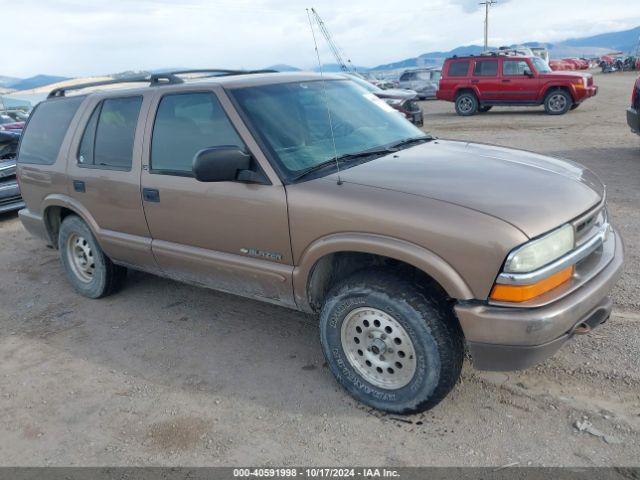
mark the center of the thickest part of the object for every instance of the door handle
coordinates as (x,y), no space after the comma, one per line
(150,195)
(475,81)
(506,80)
(79,186)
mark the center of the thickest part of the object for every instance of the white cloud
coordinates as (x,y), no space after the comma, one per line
(73,37)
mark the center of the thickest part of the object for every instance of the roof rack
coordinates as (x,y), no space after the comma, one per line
(155,79)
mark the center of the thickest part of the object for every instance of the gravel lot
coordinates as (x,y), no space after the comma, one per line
(168,374)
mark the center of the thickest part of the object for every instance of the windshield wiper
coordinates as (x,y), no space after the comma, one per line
(409,141)
(346,156)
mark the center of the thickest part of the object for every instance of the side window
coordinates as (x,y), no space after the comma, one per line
(514,67)
(485,68)
(46,129)
(185,124)
(424,76)
(107,140)
(408,76)
(458,69)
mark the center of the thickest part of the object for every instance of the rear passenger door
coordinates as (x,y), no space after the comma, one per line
(516,84)
(485,79)
(232,236)
(104,176)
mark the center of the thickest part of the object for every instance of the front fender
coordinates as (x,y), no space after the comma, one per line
(400,250)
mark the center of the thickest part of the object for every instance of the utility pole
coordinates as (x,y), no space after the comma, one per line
(487,4)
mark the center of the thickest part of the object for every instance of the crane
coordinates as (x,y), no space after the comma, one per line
(345,67)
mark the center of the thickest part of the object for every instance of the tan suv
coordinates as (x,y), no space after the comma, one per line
(314,194)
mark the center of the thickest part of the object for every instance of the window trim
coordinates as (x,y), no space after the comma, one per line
(182,173)
(99,105)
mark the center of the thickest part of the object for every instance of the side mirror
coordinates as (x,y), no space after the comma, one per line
(528,73)
(226,163)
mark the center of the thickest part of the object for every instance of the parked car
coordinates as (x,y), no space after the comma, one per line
(402,244)
(421,80)
(8,123)
(475,84)
(10,198)
(401,100)
(16,115)
(633,112)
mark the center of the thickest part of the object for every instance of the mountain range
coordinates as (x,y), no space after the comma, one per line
(36,81)
(626,41)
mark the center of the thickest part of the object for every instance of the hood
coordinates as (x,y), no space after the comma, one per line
(532,192)
(397,93)
(566,73)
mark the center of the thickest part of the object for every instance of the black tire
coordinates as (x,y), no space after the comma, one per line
(557,102)
(466,104)
(106,277)
(429,322)
(485,109)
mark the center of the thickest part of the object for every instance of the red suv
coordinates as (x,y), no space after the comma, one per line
(476,84)
(633,112)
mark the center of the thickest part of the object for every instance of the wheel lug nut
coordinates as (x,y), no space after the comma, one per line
(383,336)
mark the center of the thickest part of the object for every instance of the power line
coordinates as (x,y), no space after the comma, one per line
(487,4)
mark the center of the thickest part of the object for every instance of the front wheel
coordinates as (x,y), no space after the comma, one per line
(390,344)
(558,102)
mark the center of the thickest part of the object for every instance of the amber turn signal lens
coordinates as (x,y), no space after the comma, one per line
(522,293)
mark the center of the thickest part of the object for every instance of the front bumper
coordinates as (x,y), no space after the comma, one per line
(633,120)
(584,93)
(513,338)
(10,198)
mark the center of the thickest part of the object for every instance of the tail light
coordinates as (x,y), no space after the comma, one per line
(634,95)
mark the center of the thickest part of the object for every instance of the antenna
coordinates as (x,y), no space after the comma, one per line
(326,99)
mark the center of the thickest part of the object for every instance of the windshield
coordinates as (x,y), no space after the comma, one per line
(541,65)
(293,120)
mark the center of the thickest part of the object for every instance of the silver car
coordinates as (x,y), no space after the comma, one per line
(422,80)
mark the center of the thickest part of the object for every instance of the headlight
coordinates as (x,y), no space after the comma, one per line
(394,101)
(540,252)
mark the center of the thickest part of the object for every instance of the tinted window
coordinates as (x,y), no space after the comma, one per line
(45,132)
(108,137)
(514,67)
(85,153)
(186,124)
(486,68)
(408,76)
(458,69)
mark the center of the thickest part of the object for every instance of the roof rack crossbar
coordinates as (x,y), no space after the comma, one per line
(164,78)
(153,80)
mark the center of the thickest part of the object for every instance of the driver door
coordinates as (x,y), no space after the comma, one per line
(231,236)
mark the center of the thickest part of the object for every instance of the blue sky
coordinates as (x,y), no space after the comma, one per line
(74,37)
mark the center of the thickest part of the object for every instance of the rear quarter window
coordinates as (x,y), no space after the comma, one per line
(45,131)
(458,69)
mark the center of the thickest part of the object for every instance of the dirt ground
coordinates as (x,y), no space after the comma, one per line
(168,374)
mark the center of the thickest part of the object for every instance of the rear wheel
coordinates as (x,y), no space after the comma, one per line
(485,109)
(88,269)
(466,104)
(558,102)
(390,344)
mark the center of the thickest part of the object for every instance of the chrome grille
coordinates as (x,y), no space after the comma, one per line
(589,224)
